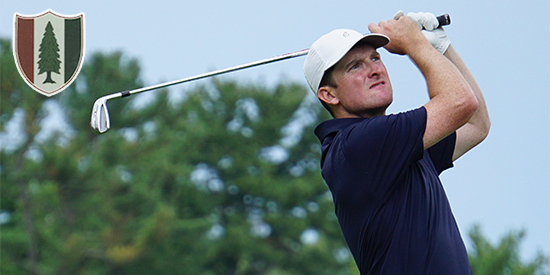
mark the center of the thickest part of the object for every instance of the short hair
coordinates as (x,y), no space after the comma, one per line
(328,80)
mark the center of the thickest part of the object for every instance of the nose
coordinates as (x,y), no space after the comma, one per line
(375,70)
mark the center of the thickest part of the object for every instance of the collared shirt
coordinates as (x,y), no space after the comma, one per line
(391,206)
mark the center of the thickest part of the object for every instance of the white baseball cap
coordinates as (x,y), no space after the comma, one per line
(330,48)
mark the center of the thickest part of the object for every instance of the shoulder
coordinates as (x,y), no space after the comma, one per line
(389,128)
(371,140)
(380,127)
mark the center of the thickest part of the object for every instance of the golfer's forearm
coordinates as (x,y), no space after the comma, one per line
(452,102)
(442,77)
(481,116)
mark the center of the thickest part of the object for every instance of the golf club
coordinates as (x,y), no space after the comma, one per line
(100,121)
(100,114)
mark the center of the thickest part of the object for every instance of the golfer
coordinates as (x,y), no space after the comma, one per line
(383,170)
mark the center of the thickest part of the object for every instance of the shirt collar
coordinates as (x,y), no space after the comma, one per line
(328,127)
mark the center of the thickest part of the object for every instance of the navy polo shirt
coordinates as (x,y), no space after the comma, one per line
(391,206)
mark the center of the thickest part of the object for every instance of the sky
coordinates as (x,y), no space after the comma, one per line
(502,185)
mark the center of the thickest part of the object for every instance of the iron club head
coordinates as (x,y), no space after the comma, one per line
(100,115)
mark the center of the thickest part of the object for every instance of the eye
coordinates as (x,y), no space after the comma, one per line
(355,65)
(375,58)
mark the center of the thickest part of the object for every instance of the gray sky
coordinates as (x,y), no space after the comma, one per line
(503,184)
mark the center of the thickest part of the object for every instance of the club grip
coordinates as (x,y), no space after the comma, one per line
(444,20)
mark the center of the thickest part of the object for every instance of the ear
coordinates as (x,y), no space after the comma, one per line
(327,95)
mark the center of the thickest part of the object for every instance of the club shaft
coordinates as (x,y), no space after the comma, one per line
(443,20)
(218,72)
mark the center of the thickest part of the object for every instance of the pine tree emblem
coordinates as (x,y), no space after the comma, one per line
(48,49)
(49,54)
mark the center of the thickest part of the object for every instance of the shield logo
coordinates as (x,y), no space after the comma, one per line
(49,50)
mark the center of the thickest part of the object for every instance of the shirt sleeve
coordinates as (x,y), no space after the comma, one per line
(442,153)
(382,147)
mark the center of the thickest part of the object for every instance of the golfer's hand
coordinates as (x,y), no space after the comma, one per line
(429,25)
(405,36)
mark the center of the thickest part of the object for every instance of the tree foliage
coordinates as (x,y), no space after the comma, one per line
(223,181)
(503,258)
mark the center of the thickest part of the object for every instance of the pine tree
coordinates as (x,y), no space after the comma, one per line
(49,54)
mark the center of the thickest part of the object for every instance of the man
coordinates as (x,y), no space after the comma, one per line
(383,170)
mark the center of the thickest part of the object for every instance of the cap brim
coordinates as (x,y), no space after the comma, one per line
(376,40)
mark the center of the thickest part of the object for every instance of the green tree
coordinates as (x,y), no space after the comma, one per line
(49,54)
(223,182)
(504,258)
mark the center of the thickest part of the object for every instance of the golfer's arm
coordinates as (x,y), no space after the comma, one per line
(477,128)
(452,101)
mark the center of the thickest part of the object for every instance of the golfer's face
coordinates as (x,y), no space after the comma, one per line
(364,88)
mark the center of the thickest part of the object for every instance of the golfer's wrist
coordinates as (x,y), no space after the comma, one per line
(422,49)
